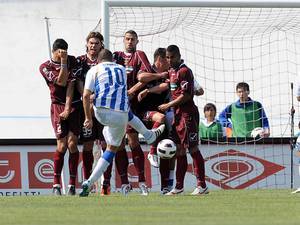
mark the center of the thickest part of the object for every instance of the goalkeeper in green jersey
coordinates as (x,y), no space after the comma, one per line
(245,114)
(210,128)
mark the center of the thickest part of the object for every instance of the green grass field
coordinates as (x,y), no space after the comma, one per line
(244,207)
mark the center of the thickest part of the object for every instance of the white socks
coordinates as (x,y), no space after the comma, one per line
(138,125)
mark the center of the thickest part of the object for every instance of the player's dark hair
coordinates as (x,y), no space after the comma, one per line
(59,44)
(209,106)
(243,85)
(173,49)
(105,55)
(132,32)
(94,34)
(160,52)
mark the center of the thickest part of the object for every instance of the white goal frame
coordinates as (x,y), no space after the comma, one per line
(188,3)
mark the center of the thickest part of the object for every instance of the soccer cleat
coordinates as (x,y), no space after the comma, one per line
(156,132)
(143,189)
(105,190)
(86,186)
(125,189)
(296,191)
(175,191)
(153,159)
(71,190)
(170,184)
(165,191)
(200,191)
(56,190)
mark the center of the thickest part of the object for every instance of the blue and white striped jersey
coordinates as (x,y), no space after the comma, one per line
(108,81)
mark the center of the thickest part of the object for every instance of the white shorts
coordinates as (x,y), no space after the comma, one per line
(115,124)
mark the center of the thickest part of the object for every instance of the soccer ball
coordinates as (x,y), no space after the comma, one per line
(166,149)
(256,132)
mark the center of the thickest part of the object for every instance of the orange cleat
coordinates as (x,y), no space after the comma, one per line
(105,190)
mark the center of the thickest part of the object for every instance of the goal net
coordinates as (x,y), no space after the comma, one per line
(225,46)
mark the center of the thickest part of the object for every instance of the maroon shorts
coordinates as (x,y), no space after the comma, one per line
(92,134)
(62,127)
(185,129)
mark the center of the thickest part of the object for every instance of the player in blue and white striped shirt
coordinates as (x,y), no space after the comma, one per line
(108,81)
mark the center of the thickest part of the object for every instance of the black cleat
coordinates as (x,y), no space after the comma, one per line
(71,190)
(56,191)
(85,189)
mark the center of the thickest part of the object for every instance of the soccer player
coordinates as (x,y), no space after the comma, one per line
(242,116)
(108,81)
(210,128)
(156,93)
(186,122)
(65,115)
(94,44)
(149,100)
(134,61)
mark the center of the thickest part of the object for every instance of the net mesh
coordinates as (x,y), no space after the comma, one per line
(224,46)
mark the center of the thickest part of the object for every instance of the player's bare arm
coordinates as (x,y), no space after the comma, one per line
(131,92)
(69,98)
(63,73)
(91,103)
(176,102)
(146,77)
(88,123)
(155,90)
(80,86)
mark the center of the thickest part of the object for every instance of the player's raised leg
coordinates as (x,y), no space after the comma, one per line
(149,135)
(111,109)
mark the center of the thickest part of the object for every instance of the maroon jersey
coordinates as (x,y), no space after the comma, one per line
(182,81)
(137,62)
(84,64)
(50,71)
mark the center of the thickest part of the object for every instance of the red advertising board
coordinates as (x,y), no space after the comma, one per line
(10,170)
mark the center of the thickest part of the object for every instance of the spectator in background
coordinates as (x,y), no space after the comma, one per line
(244,115)
(210,128)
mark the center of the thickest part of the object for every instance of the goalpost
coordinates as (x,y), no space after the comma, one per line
(223,42)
